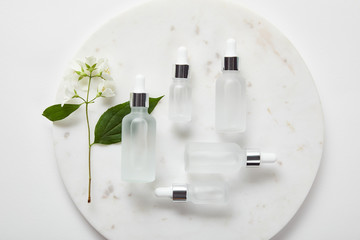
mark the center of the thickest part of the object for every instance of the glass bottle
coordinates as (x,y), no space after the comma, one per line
(230,99)
(222,158)
(180,91)
(198,193)
(138,163)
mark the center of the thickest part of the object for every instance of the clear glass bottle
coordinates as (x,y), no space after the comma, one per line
(222,158)
(180,91)
(198,193)
(138,163)
(230,99)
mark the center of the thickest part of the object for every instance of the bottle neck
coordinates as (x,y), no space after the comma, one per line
(230,71)
(139,109)
(180,80)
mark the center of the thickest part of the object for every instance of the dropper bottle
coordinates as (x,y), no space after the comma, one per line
(198,193)
(223,158)
(180,91)
(138,162)
(230,99)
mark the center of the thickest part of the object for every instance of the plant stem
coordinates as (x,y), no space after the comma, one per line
(92,100)
(81,97)
(89,144)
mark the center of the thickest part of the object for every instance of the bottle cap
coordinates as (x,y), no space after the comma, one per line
(182,56)
(139,84)
(182,65)
(230,48)
(177,192)
(231,60)
(255,158)
(139,98)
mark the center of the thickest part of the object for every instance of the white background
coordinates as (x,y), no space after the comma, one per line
(39,37)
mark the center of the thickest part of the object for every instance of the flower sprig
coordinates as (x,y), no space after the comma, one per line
(80,78)
(83,77)
(86,78)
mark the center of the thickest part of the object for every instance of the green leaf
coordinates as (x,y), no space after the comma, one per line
(56,112)
(87,65)
(153,102)
(108,128)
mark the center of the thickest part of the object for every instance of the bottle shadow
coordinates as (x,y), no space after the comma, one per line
(182,130)
(254,177)
(188,209)
(238,138)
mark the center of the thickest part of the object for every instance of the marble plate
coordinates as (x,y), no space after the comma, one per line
(284,116)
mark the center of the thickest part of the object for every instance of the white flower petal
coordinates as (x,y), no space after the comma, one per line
(107,76)
(102,64)
(83,84)
(110,84)
(90,60)
(108,93)
(107,88)
(71,77)
(74,66)
(68,94)
(80,65)
(70,85)
(95,72)
(101,85)
(65,100)
(101,61)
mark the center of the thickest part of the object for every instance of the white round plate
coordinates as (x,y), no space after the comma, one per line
(284,116)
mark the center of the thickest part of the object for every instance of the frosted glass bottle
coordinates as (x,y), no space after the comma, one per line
(138,163)
(222,158)
(198,193)
(180,91)
(230,96)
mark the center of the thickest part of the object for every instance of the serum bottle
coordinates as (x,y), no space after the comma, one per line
(198,193)
(223,158)
(180,91)
(230,99)
(138,162)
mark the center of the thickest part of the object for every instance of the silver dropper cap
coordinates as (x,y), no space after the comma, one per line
(139,98)
(177,192)
(254,158)
(181,71)
(231,61)
(182,66)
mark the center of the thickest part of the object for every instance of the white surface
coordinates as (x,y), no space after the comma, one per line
(37,41)
(284,115)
